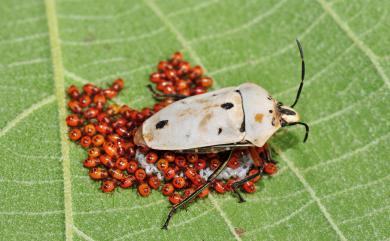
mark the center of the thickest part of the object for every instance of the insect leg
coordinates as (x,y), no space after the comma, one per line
(258,159)
(242,181)
(268,154)
(210,179)
(159,96)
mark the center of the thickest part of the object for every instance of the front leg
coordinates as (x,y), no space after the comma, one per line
(210,179)
(239,183)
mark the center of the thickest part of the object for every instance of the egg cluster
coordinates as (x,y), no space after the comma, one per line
(106,131)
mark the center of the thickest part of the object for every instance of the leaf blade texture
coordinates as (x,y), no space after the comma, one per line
(335,187)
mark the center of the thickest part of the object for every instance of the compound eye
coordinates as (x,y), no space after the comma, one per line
(283,123)
(287,112)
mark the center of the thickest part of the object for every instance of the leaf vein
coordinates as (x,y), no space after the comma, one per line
(24,38)
(362,46)
(25,113)
(26,20)
(349,107)
(43,213)
(111,210)
(31,182)
(102,17)
(312,194)
(246,25)
(81,234)
(319,73)
(224,217)
(357,187)
(183,41)
(187,221)
(282,220)
(370,214)
(112,41)
(365,147)
(192,8)
(267,57)
(25,62)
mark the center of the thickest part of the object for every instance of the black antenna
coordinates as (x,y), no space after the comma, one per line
(306,127)
(302,73)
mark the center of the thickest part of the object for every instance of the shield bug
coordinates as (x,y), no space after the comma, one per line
(245,116)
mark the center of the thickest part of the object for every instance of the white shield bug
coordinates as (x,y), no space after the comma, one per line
(245,116)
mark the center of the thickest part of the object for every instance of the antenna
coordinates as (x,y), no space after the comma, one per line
(302,74)
(306,127)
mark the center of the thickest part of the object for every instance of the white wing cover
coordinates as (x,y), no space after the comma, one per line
(209,119)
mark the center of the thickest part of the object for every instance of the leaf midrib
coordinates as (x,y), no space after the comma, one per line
(58,71)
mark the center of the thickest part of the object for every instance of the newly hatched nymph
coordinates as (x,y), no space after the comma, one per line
(234,117)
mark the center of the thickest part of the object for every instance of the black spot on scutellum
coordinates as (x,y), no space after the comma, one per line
(161,124)
(219,131)
(227,105)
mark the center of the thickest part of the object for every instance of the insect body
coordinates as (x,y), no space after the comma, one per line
(245,116)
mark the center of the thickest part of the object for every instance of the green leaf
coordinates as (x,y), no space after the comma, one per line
(334,187)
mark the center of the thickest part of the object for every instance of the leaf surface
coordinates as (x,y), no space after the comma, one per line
(334,187)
